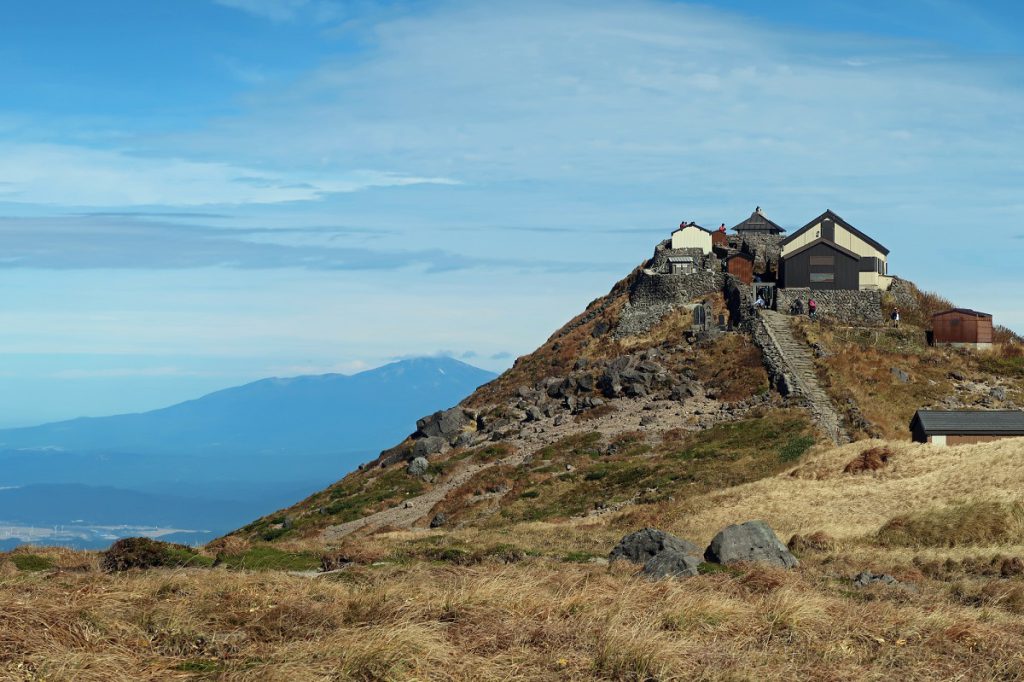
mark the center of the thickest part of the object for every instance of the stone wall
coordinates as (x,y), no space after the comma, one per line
(765,248)
(653,295)
(850,307)
(739,297)
(662,252)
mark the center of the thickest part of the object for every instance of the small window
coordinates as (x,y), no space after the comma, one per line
(823,260)
(823,277)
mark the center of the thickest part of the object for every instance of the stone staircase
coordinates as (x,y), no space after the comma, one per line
(791,368)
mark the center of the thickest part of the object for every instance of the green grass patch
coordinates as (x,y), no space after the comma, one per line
(264,558)
(579,557)
(568,448)
(31,562)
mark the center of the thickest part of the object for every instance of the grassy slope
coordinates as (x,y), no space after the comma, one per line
(521,602)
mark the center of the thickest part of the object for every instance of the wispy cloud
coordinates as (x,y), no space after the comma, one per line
(118,241)
(79,176)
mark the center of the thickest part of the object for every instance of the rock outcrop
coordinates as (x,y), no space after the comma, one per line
(753,541)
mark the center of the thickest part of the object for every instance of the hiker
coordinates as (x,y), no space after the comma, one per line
(798,307)
(759,303)
(812,308)
(895,317)
(721,228)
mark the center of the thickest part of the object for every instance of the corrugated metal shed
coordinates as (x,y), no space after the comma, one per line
(970,422)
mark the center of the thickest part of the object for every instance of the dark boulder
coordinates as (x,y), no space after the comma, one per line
(428,446)
(439,520)
(444,424)
(643,545)
(671,563)
(753,541)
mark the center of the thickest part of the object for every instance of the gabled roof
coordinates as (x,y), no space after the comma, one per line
(758,222)
(683,227)
(826,242)
(963,311)
(829,213)
(971,422)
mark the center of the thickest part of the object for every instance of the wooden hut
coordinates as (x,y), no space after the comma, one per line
(719,240)
(741,266)
(960,427)
(962,327)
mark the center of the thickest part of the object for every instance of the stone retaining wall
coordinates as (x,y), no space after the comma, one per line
(851,307)
(653,295)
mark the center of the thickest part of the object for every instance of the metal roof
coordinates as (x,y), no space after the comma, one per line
(758,222)
(971,422)
(680,259)
(829,213)
(963,311)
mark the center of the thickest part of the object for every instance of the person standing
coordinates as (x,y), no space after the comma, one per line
(812,308)
(895,317)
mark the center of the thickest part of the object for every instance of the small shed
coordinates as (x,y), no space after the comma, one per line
(741,266)
(959,427)
(962,327)
(681,265)
(719,239)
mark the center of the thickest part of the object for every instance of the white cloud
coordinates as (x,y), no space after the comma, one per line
(287,10)
(80,176)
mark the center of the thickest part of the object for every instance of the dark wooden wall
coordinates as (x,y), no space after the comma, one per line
(742,268)
(958,327)
(796,270)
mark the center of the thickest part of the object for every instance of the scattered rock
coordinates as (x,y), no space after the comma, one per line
(957,376)
(648,419)
(643,545)
(418,466)
(569,467)
(672,563)
(753,541)
(600,329)
(559,420)
(868,579)
(998,392)
(869,460)
(439,520)
(534,414)
(901,375)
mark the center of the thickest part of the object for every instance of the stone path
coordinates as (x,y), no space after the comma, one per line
(800,376)
(413,509)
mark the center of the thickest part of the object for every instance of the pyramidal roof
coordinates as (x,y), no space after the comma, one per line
(759,222)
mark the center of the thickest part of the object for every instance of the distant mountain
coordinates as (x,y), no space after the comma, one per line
(232,454)
(308,415)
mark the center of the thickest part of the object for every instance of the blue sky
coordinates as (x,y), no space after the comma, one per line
(198,193)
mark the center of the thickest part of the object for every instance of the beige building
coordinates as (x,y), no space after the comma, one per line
(829,228)
(692,236)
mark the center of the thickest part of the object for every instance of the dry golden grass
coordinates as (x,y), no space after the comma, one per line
(529,621)
(464,605)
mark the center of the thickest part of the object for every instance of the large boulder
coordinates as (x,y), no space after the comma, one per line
(643,545)
(752,541)
(428,446)
(671,563)
(444,424)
